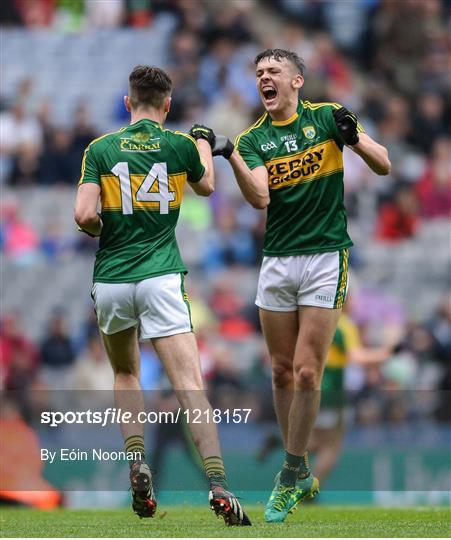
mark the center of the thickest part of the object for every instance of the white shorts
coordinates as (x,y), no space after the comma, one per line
(319,280)
(157,306)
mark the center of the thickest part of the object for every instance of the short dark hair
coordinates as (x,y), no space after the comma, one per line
(149,85)
(279,54)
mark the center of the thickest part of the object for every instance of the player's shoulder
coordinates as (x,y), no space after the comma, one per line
(105,140)
(179,139)
(321,108)
(184,138)
(254,130)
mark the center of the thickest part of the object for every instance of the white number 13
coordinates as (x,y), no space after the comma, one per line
(158,173)
(291,146)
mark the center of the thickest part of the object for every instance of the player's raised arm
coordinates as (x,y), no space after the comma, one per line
(374,154)
(204,138)
(252,183)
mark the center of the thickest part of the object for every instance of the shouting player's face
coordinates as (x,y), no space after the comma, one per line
(278,84)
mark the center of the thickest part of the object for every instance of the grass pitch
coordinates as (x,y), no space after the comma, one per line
(183,521)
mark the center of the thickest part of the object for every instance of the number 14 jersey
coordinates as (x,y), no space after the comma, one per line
(141,171)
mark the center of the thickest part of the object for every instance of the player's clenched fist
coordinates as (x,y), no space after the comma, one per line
(346,122)
(223,147)
(203,132)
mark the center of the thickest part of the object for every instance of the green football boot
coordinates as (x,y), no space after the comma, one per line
(281,502)
(309,487)
(277,509)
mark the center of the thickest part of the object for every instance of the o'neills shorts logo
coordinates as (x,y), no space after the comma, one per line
(324,298)
(313,163)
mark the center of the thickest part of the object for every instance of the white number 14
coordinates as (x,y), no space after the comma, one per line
(158,173)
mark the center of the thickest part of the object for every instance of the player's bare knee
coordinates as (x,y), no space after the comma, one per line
(306,377)
(282,375)
(125,370)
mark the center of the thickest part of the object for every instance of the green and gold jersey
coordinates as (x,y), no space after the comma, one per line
(304,159)
(346,338)
(141,170)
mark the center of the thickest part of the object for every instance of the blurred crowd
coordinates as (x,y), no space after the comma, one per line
(387,61)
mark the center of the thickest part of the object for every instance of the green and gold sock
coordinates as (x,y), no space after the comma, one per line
(135,444)
(214,469)
(290,469)
(304,469)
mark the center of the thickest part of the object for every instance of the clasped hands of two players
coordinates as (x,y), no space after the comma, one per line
(220,144)
(345,120)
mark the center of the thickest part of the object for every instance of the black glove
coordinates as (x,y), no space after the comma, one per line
(203,132)
(223,147)
(347,125)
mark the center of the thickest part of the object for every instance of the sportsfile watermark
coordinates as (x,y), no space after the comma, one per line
(113,415)
(74,440)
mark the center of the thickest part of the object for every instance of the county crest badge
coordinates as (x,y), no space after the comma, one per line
(309,132)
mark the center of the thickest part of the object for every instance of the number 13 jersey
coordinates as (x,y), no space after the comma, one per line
(304,159)
(141,171)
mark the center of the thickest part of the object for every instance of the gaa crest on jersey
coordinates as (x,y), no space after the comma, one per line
(309,132)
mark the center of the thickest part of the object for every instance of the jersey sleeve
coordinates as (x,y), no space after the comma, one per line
(89,167)
(360,128)
(194,166)
(246,149)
